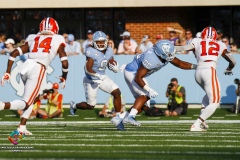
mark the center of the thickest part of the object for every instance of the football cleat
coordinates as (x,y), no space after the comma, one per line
(25,132)
(116,120)
(131,120)
(72,110)
(197,129)
(204,125)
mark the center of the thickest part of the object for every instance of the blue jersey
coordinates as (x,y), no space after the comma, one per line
(100,60)
(148,60)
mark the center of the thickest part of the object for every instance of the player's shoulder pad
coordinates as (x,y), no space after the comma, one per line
(90,51)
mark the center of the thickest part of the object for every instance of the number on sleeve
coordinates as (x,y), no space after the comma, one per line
(212,51)
(45,44)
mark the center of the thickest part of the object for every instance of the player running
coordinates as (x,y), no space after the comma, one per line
(98,56)
(41,49)
(144,65)
(207,51)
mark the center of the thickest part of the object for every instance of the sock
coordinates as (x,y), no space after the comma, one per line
(133,112)
(198,122)
(2,105)
(22,127)
(209,110)
(17,104)
(27,112)
(124,114)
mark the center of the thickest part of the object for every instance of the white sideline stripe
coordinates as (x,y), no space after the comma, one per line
(120,140)
(128,151)
(108,122)
(127,145)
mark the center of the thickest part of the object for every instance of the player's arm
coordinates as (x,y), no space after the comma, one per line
(64,61)
(182,64)
(141,73)
(181,49)
(17,52)
(230,59)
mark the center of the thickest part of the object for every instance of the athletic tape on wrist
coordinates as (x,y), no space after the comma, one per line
(146,88)
(64,58)
(11,58)
(65,70)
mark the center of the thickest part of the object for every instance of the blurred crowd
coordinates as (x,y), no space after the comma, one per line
(127,45)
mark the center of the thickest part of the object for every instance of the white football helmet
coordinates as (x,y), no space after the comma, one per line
(101,37)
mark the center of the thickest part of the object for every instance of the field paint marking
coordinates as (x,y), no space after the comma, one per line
(218,117)
(72,115)
(89,118)
(185,117)
(138,152)
(231,115)
(106,122)
(10,115)
(128,145)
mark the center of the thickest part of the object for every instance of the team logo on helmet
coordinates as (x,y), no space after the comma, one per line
(99,36)
(166,48)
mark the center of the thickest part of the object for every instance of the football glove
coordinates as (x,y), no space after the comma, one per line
(114,67)
(5,77)
(227,72)
(152,93)
(63,81)
(100,76)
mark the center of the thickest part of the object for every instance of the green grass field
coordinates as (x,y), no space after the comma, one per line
(88,137)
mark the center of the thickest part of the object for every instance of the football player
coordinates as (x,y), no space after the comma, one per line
(98,56)
(41,49)
(144,65)
(207,51)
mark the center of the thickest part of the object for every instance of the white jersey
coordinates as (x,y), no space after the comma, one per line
(43,48)
(208,50)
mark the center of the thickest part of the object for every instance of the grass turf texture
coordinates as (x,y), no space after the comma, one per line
(95,140)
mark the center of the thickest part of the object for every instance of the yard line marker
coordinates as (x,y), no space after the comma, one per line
(196,115)
(185,117)
(218,117)
(10,115)
(231,115)
(72,115)
(89,118)
(153,117)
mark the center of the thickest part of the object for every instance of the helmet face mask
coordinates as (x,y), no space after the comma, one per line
(100,40)
(209,33)
(48,26)
(165,50)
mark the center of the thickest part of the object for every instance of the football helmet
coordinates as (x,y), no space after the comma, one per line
(209,33)
(100,40)
(48,26)
(164,49)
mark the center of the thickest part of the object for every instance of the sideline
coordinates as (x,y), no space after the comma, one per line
(108,122)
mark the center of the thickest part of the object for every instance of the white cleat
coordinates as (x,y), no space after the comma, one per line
(197,129)
(26,132)
(204,125)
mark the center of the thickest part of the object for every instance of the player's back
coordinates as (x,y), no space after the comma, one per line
(43,48)
(208,51)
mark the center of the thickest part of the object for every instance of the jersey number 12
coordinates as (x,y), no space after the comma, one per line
(212,51)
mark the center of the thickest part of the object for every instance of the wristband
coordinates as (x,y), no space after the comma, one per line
(146,88)
(194,66)
(63,58)
(11,58)
(65,70)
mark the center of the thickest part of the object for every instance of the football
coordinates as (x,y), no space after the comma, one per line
(112,61)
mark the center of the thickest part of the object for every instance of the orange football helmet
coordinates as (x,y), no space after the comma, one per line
(209,33)
(48,26)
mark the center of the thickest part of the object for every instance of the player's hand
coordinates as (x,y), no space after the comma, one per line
(114,67)
(152,93)
(6,78)
(228,72)
(100,76)
(63,81)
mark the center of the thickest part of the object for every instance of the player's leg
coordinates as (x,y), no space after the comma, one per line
(140,96)
(91,89)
